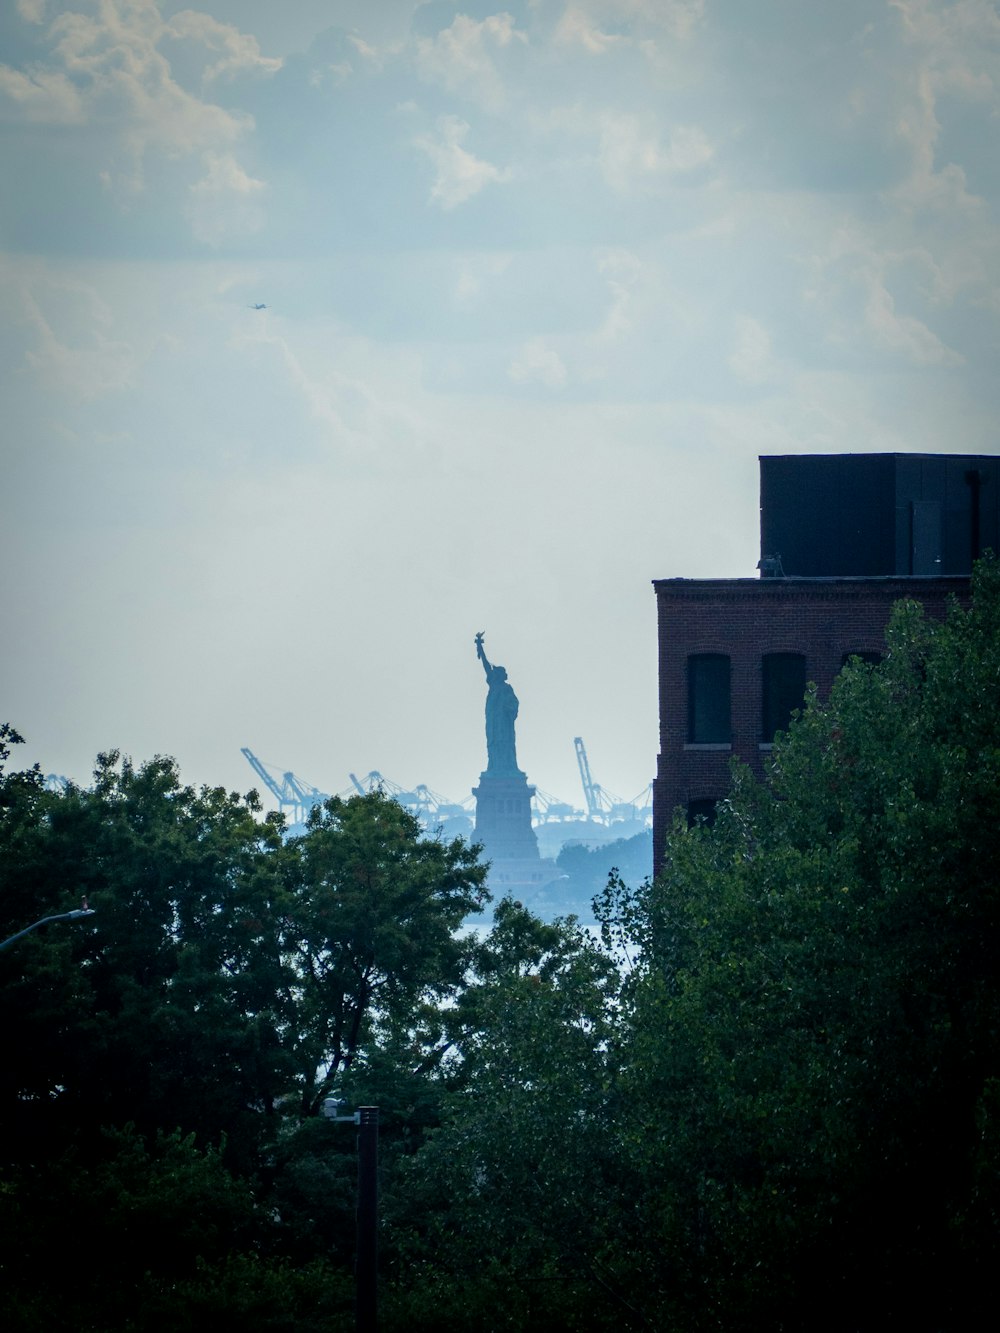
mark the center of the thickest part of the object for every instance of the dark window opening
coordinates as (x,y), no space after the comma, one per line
(702,811)
(869,659)
(708,699)
(784,691)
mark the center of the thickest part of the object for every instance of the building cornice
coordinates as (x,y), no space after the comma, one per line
(834,588)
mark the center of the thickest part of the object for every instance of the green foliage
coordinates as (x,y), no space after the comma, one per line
(500,1210)
(372,912)
(585,871)
(226,980)
(589,867)
(813,1048)
(148,1236)
(132,1015)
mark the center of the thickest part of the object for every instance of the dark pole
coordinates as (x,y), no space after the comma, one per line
(366,1269)
(75,915)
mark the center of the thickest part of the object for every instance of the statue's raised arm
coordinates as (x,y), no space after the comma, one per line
(481,654)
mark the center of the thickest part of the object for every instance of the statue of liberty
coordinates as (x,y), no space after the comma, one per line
(501,711)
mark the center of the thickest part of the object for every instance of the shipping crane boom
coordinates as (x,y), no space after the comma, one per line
(591,793)
(602,804)
(291,792)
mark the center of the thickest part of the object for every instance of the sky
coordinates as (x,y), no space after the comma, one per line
(542,281)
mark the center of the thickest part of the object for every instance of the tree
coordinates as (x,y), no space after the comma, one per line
(153,1235)
(497,1219)
(586,869)
(170,1055)
(814,1046)
(166,1000)
(369,928)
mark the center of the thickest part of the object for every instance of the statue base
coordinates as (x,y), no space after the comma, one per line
(503,818)
(503,826)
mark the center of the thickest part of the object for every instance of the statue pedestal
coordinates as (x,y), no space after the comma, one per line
(503,818)
(503,826)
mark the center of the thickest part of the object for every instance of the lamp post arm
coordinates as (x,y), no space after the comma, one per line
(75,915)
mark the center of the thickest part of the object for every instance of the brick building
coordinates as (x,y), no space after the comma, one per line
(843,538)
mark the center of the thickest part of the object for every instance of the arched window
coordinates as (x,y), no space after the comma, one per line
(708,699)
(784,689)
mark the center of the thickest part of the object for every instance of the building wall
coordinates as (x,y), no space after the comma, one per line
(825,619)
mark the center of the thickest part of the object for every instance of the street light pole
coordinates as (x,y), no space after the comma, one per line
(75,915)
(366,1269)
(366,1252)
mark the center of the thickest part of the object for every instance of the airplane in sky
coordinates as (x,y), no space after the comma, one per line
(259,306)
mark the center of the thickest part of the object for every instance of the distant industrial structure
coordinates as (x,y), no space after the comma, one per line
(605,817)
(296,798)
(843,537)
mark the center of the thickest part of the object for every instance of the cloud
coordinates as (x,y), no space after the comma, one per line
(70,346)
(116,61)
(476,275)
(904,334)
(224,204)
(461,58)
(956,50)
(577,28)
(631,153)
(622,271)
(238,52)
(107,71)
(599,25)
(32,11)
(860,287)
(750,360)
(351,402)
(43,97)
(459,174)
(323,397)
(537,363)
(955,32)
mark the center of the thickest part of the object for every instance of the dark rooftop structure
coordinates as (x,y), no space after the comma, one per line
(868,514)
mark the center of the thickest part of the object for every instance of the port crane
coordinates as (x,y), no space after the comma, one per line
(429,806)
(602,805)
(297,798)
(292,794)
